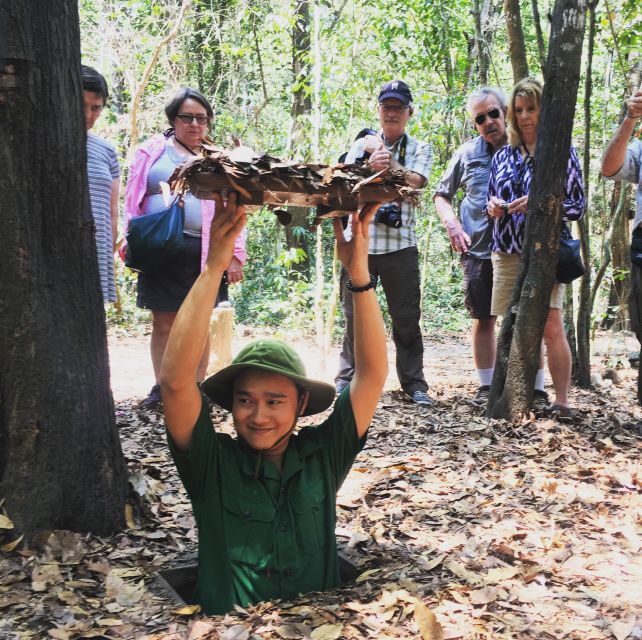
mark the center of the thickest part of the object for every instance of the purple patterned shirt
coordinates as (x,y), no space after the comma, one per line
(510,178)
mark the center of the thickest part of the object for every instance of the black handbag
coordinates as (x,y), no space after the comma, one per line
(154,237)
(569,262)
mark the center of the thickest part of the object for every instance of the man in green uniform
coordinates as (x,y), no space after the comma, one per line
(265,502)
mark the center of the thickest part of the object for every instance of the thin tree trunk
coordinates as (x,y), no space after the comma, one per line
(61,464)
(149,67)
(619,194)
(523,326)
(541,47)
(516,45)
(583,371)
(617,314)
(299,138)
(480,43)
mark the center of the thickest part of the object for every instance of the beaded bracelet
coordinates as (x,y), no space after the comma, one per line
(371,285)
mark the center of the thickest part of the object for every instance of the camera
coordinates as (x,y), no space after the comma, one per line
(389,214)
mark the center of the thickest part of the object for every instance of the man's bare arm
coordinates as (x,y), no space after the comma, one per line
(181,396)
(459,239)
(370,353)
(616,151)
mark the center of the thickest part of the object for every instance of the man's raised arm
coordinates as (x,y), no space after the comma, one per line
(370,353)
(180,393)
(616,151)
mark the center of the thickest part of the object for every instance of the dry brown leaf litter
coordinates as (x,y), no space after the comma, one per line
(461,527)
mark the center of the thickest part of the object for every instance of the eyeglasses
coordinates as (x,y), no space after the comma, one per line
(481,118)
(188,118)
(395,108)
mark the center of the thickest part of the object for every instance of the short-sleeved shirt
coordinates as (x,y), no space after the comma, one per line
(469,170)
(510,178)
(630,171)
(161,171)
(264,534)
(102,170)
(418,158)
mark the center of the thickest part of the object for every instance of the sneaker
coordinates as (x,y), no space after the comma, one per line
(421,398)
(481,397)
(153,399)
(340,385)
(540,400)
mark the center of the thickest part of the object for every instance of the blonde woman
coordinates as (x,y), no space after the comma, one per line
(510,180)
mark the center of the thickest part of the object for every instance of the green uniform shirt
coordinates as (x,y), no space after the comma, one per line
(270,536)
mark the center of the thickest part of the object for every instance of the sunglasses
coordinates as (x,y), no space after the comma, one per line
(492,114)
(188,118)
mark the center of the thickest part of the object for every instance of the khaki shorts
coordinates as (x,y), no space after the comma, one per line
(505,269)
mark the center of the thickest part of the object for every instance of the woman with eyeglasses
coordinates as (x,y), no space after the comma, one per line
(509,184)
(163,289)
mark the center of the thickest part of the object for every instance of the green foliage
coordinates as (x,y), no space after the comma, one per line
(240,54)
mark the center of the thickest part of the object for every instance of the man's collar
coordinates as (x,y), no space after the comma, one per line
(298,450)
(489,147)
(392,144)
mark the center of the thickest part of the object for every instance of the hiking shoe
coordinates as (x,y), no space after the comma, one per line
(340,385)
(153,399)
(421,398)
(540,401)
(481,397)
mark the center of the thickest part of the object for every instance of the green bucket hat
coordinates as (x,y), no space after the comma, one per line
(274,356)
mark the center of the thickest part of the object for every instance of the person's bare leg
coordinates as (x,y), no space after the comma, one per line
(162,322)
(205,359)
(483,343)
(559,356)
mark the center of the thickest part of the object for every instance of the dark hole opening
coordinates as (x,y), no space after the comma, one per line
(179,583)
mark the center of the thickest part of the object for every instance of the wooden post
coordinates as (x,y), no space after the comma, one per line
(221,330)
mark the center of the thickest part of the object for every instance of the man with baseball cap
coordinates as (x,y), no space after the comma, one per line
(393,256)
(265,502)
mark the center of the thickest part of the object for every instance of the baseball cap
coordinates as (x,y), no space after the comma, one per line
(396,89)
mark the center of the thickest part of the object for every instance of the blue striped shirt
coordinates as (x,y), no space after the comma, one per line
(102,170)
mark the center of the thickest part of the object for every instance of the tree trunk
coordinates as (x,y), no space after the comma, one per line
(61,464)
(516,44)
(541,47)
(147,73)
(480,42)
(617,310)
(299,140)
(583,334)
(523,326)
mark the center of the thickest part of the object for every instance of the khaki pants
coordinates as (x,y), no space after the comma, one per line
(505,269)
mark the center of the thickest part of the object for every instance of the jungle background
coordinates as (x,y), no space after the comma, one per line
(459,526)
(300,80)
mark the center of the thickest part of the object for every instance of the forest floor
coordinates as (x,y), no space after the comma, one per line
(460,527)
